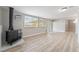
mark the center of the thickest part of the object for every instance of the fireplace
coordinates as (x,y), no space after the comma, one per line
(12,35)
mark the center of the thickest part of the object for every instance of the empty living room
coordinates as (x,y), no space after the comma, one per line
(39,28)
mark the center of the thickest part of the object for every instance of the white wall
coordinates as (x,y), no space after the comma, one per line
(49,26)
(18,21)
(0,26)
(59,26)
(77,29)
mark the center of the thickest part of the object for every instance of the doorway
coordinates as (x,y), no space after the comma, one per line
(70,26)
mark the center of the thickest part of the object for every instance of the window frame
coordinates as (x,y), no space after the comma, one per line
(37,21)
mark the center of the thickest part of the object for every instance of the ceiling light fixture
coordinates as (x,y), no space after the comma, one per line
(75,21)
(63,9)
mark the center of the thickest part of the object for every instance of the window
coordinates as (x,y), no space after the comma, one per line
(30,21)
(42,22)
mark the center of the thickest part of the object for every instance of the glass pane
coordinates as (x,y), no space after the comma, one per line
(31,21)
(42,23)
(28,19)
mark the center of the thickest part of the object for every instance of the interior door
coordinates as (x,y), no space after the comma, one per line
(70,26)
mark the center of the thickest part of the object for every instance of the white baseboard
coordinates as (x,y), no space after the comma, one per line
(34,34)
(11,46)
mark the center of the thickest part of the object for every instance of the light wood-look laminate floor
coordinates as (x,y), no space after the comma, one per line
(51,42)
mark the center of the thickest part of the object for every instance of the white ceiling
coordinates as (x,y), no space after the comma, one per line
(51,12)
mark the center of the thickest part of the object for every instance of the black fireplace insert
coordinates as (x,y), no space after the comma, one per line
(12,35)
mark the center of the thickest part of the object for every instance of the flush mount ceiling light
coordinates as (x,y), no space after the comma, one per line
(65,8)
(75,21)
